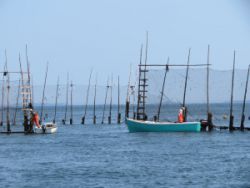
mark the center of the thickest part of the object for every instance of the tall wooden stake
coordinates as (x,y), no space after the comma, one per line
(118,104)
(8,95)
(87,99)
(162,91)
(71,104)
(104,107)
(110,104)
(57,94)
(3,93)
(209,114)
(43,97)
(67,99)
(94,115)
(128,97)
(244,102)
(185,87)
(231,121)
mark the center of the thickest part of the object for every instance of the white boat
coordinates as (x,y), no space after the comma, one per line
(47,128)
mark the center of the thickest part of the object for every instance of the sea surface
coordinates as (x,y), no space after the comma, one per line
(104,155)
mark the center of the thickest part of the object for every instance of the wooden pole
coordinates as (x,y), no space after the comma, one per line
(8,95)
(57,93)
(87,99)
(231,121)
(110,104)
(244,102)
(185,87)
(162,92)
(104,107)
(94,109)
(43,97)
(71,104)
(128,97)
(118,104)
(67,98)
(3,93)
(209,114)
(17,101)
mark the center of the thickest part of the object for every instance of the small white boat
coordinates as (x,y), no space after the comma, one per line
(47,128)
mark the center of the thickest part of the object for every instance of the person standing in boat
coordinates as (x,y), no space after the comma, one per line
(181,115)
(36,119)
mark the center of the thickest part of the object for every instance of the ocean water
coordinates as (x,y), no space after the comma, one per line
(105,155)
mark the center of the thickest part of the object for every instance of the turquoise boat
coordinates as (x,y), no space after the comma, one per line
(152,126)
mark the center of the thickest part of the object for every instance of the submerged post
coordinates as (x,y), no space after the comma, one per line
(231,120)
(244,102)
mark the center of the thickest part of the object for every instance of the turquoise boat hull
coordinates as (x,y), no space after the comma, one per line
(152,126)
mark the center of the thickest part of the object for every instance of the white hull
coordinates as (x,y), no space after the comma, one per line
(49,128)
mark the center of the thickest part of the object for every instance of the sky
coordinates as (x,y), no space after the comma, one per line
(76,36)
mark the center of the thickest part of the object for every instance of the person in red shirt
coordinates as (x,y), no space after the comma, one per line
(36,119)
(181,116)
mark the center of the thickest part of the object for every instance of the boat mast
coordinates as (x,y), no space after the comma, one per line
(110,104)
(71,104)
(185,87)
(43,97)
(162,91)
(244,102)
(57,93)
(87,99)
(106,95)
(231,126)
(118,106)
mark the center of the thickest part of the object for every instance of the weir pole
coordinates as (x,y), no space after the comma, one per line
(94,113)
(104,107)
(231,121)
(118,105)
(244,102)
(209,114)
(87,99)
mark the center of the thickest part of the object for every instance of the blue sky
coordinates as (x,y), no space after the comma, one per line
(77,35)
